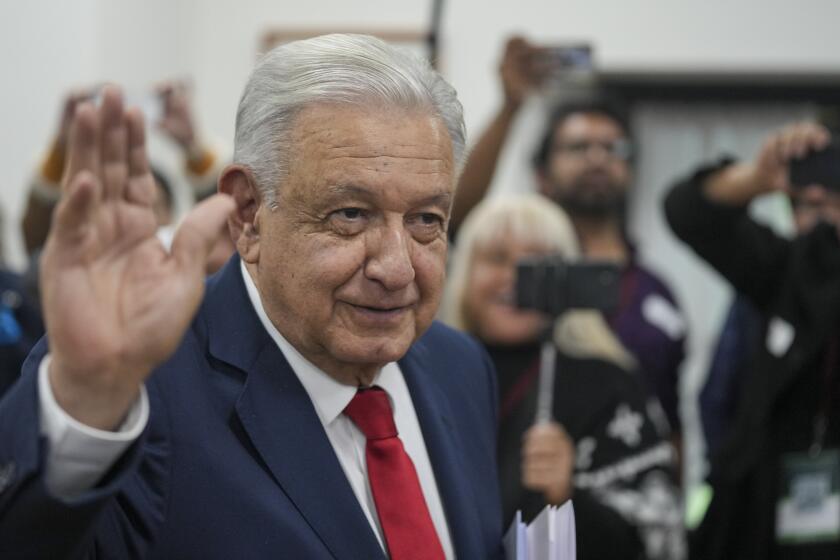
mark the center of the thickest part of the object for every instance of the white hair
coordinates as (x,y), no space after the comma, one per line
(528,218)
(336,69)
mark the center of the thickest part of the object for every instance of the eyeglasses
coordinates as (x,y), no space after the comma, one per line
(619,149)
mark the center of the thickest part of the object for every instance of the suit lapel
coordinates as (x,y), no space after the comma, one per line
(282,424)
(445,453)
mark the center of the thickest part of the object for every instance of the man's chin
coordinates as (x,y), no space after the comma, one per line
(372,351)
(593,207)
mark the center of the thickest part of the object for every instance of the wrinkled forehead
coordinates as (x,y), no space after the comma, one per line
(381,131)
(393,157)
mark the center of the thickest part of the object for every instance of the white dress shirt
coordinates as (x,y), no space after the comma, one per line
(80,455)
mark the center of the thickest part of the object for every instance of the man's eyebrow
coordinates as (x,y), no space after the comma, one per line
(442,199)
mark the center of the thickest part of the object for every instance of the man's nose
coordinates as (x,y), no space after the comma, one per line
(598,154)
(389,258)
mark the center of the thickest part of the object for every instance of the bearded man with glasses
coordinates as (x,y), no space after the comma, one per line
(584,163)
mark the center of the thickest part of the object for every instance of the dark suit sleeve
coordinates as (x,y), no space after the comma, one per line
(750,256)
(492,395)
(113,520)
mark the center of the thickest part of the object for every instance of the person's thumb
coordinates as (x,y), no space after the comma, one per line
(199,231)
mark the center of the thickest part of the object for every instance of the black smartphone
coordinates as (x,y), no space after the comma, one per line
(821,167)
(552,285)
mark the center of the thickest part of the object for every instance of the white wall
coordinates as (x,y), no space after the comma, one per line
(51,45)
(45,47)
(48,46)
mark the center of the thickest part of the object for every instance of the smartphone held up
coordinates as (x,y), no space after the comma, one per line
(564,64)
(821,167)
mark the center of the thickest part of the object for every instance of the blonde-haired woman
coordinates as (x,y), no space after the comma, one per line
(604,449)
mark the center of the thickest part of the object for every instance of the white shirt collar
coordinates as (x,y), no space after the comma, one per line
(328,395)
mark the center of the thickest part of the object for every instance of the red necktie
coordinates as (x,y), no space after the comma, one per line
(403,514)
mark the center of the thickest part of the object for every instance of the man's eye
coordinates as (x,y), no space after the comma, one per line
(348,221)
(350,213)
(430,219)
(426,226)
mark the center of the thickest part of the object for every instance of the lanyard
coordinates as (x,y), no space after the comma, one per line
(627,289)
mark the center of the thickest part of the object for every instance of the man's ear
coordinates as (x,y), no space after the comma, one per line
(238,182)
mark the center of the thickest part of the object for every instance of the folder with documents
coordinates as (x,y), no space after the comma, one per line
(551,536)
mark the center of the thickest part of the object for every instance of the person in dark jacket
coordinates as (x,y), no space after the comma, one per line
(20,326)
(584,163)
(719,397)
(602,449)
(775,480)
(20,321)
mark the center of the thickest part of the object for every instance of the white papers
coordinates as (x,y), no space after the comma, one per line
(516,539)
(551,536)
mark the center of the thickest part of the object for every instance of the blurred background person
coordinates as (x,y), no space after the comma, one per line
(740,335)
(170,100)
(603,450)
(20,322)
(775,479)
(584,163)
(689,99)
(739,338)
(169,109)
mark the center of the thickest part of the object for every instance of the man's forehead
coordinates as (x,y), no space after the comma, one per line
(585,124)
(428,195)
(360,131)
(342,153)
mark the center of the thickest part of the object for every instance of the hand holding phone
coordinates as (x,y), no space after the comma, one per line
(820,167)
(515,70)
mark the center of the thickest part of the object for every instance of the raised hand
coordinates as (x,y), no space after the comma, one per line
(792,142)
(72,100)
(548,457)
(116,304)
(518,70)
(177,120)
(740,183)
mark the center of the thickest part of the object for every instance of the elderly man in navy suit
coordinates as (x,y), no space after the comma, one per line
(301,403)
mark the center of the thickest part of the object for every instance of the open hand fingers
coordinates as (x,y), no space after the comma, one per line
(75,208)
(71,102)
(141,185)
(113,143)
(138,161)
(83,154)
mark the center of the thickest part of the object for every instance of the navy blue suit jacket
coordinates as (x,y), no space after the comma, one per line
(235,462)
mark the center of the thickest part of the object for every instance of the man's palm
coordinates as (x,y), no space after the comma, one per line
(115,302)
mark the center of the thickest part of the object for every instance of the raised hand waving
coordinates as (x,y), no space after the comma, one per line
(116,303)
